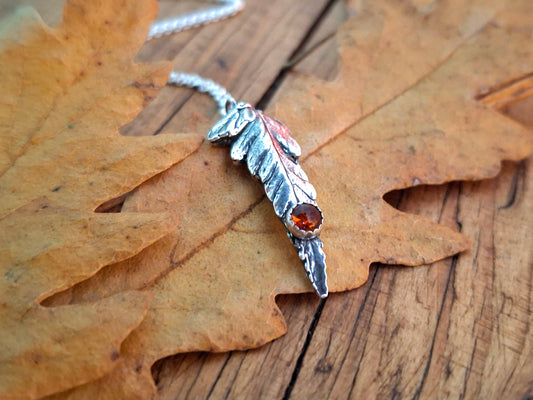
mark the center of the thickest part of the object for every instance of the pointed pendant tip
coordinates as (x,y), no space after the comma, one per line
(321,291)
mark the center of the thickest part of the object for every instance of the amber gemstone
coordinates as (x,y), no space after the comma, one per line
(306,217)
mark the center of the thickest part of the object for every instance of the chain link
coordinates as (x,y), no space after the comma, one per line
(180,23)
(222,97)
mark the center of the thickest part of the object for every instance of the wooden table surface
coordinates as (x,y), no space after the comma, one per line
(459,328)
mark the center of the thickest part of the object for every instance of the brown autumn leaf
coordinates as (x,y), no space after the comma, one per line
(65,94)
(404,110)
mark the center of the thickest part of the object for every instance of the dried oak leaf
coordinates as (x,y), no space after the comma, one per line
(403,111)
(65,94)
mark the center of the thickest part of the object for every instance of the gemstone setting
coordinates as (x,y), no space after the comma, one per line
(304,220)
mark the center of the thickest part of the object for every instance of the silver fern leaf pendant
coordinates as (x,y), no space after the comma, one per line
(271,154)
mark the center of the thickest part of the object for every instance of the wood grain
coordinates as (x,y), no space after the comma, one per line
(459,328)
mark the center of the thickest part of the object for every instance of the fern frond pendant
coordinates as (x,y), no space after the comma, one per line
(271,155)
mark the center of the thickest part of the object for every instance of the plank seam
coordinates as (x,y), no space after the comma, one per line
(305,347)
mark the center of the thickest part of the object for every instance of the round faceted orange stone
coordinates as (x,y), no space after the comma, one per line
(306,217)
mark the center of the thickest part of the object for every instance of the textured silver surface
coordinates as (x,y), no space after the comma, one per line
(271,155)
(314,261)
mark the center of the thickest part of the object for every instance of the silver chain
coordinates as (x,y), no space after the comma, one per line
(226,9)
(222,97)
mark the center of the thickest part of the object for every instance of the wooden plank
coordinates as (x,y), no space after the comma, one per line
(456,329)
(262,373)
(245,54)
